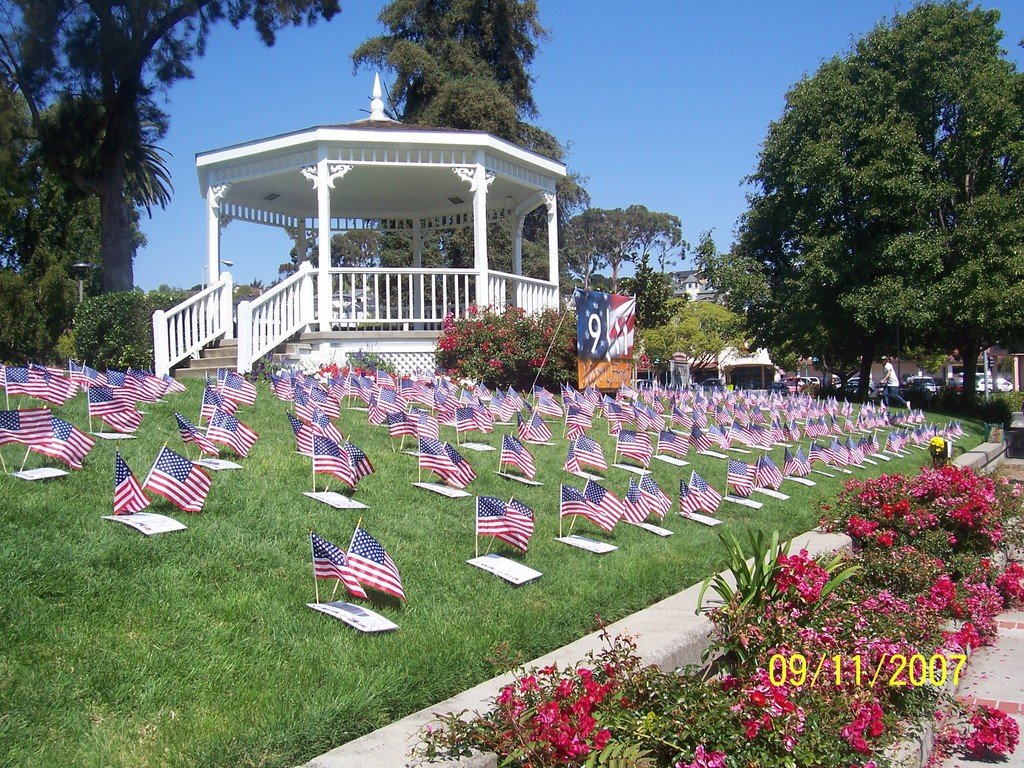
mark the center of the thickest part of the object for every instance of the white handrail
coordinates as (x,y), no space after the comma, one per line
(186,328)
(407,298)
(272,318)
(528,293)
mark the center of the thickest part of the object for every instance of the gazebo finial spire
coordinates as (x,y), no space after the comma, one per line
(376,102)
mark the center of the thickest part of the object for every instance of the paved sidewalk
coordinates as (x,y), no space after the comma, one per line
(995,676)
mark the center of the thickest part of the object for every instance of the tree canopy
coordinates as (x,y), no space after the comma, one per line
(889,193)
(91,75)
(698,329)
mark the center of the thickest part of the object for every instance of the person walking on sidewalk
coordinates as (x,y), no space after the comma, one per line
(891,385)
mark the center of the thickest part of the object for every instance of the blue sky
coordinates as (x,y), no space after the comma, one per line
(661,103)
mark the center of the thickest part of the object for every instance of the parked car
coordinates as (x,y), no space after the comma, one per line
(919,388)
(713,384)
(780,387)
(999,385)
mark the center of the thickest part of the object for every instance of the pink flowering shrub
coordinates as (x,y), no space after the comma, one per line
(1010,584)
(508,349)
(993,733)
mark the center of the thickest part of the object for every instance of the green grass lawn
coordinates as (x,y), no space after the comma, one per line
(196,648)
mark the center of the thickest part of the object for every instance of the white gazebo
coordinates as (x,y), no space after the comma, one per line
(374,174)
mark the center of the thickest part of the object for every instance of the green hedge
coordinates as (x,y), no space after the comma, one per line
(115,331)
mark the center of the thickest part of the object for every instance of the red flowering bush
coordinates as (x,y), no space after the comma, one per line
(508,349)
(993,733)
(1010,584)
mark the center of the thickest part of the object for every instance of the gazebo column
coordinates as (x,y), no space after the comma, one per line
(417,263)
(551,202)
(323,175)
(479,180)
(517,244)
(213,197)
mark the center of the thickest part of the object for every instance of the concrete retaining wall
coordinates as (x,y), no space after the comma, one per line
(984,458)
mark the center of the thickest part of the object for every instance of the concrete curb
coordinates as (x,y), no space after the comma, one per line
(983,458)
(669,634)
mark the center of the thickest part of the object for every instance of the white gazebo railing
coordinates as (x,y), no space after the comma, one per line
(526,293)
(186,328)
(399,299)
(275,316)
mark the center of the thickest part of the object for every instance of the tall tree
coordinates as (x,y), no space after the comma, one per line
(466,65)
(103,66)
(698,329)
(889,192)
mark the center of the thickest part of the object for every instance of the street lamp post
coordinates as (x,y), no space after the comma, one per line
(226,262)
(81,271)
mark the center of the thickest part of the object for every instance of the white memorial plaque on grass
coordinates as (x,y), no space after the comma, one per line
(113,436)
(773,493)
(672,460)
(712,454)
(519,478)
(412,453)
(355,616)
(478,447)
(582,542)
(738,450)
(844,470)
(698,518)
(357,408)
(148,523)
(217,464)
(587,476)
(336,500)
(443,490)
(632,468)
(538,442)
(743,502)
(783,445)
(872,462)
(881,456)
(801,480)
(657,530)
(821,472)
(502,567)
(40,473)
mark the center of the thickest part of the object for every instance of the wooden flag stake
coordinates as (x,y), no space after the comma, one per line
(572,524)
(334,591)
(3,463)
(489,543)
(476,529)
(352,541)
(313,459)
(154,467)
(316,583)
(25,459)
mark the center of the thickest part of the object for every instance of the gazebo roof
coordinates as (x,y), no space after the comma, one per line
(395,170)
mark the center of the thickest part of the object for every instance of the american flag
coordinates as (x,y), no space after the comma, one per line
(689,502)
(360,462)
(433,457)
(303,436)
(226,429)
(322,425)
(401,424)
(572,463)
(173,385)
(682,419)
(235,387)
(29,426)
(213,400)
(634,507)
(817,453)
(84,375)
(515,400)
(515,453)
(635,445)
(303,408)
(145,386)
(426,425)
(718,437)
(576,417)
(462,473)
(511,522)
(116,378)
(588,451)
(105,400)
(800,466)
(65,443)
(573,503)
(482,418)
(533,430)
(319,397)
(128,495)
(465,420)
(373,566)
(740,476)
(670,442)
(606,507)
(19,382)
(767,474)
(657,499)
(282,386)
(699,441)
(55,388)
(329,562)
(330,459)
(178,480)
(546,406)
(706,497)
(190,434)
(838,454)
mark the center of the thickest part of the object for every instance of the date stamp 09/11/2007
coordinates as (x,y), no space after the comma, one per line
(896,670)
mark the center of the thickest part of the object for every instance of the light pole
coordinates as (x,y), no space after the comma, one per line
(226,262)
(81,270)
